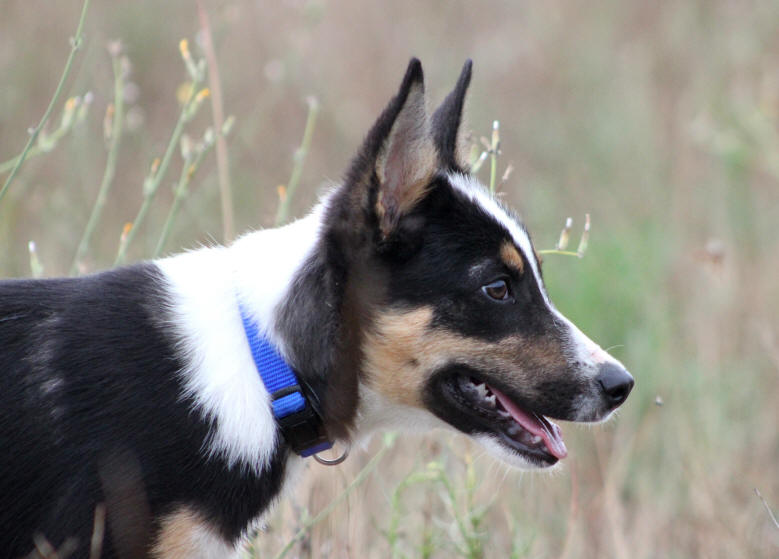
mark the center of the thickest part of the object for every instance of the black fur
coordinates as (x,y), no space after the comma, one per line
(91,400)
(317,293)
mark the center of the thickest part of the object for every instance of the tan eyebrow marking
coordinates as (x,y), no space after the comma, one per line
(510,256)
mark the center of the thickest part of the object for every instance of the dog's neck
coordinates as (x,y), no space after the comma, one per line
(206,286)
(264,265)
(284,281)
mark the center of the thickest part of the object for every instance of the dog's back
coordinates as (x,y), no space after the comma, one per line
(94,413)
(59,337)
(31,393)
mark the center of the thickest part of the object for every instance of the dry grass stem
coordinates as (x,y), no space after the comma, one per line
(151,184)
(113,127)
(767,508)
(217,109)
(299,160)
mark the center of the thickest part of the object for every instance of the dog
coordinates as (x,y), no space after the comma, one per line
(178,395)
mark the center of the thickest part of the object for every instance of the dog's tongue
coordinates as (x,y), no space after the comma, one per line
(537,425)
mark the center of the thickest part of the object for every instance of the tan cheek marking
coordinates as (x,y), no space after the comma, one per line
(185,534)
(392,352)
(401,351)
(511,257)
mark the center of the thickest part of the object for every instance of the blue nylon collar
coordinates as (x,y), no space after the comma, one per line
(299,422)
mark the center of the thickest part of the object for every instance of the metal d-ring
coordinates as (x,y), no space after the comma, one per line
(334,462)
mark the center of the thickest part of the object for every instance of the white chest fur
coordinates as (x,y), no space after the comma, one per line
(205,286)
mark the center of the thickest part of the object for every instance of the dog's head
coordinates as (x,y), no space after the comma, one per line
(455,319)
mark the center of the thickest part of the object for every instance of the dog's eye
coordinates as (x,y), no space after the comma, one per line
(498,290)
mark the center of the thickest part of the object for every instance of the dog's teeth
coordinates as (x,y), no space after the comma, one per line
(490,400)
(536,439)
(504,414)
(513,430)
(481,390)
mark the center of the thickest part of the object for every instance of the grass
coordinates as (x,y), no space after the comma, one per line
(657,120)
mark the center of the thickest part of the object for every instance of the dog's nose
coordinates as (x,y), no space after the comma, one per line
(615,382)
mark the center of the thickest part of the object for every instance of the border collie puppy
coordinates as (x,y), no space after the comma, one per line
(178,393)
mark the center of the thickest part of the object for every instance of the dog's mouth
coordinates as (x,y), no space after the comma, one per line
(524,431)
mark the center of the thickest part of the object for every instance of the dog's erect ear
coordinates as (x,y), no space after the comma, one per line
(399,150)
(406,161)
(446,124)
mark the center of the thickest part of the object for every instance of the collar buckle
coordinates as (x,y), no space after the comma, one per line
(304,432)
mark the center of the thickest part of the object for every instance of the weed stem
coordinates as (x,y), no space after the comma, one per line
(767,508)
(561,252)
(299,160)
(191,165)
(110,166)
(494,147)
(75,44)
(73,112)
(153,180)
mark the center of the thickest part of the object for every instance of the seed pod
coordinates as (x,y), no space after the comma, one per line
(565,235)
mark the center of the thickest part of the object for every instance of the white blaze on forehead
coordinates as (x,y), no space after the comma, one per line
(583,348)
(475,192)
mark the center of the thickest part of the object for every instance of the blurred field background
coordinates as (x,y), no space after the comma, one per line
(660,119)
